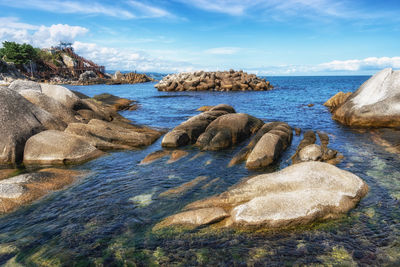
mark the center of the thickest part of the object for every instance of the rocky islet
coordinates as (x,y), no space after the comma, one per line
(213,81)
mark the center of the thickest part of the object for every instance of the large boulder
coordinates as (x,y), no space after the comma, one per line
(375,104)
(266,145)
(19,120)
(296,195)
(51,105)
(115,133)
(188,132)
(62,95)
(21,85)
(55,147)
(228,130)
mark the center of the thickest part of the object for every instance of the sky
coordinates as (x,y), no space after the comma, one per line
(266,37)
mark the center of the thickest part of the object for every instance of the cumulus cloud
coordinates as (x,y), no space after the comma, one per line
(129,59)
(40,36)
(223,50)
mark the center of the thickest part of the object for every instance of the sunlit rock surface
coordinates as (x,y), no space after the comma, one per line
(375,104)
(296,195)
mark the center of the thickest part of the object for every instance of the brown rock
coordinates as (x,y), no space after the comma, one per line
(185,187)
(228,130)
(55,147)
(336,101)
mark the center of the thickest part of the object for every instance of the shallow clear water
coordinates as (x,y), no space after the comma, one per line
(107,218)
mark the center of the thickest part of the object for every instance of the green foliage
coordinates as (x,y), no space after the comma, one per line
(18,53)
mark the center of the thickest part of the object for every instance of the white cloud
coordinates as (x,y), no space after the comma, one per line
(371,63)
(39,36)
(148,11)
(128,59)
(50,36)
(125,10)
(223,50)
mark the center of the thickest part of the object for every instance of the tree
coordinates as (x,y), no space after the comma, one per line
(18,53)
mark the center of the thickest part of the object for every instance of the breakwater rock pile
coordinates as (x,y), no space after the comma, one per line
(213,81)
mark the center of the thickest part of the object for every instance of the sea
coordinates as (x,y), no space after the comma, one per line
(107,218)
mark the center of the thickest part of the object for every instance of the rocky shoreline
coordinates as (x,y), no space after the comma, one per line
(50,125)
(213,81)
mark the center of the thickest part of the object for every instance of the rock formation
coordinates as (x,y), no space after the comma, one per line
(214,81)
(57,148)
(374,104)
(307,150)
(266,145)
(296,195)
(228,130)
(188,132)
(87,124)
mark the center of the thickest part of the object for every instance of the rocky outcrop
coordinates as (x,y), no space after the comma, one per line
(213,81)
(53,107)
(307,150)
(123,134)
(25,188)
(374,104)
(188,132)
(115,102)
(62,95)
(130,78)
(270,146)
(9,73)
(266,146)
(228,130)
(22,85)
(19,120)
(56,147)
(297,195)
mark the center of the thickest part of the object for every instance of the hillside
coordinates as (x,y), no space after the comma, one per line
(59,65)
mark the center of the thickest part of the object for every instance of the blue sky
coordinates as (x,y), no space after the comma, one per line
(269,37)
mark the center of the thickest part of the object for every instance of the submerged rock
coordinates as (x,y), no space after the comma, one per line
(183,188)
(25,188)
(215,81)
(56,147)
(374,104)
(296,195)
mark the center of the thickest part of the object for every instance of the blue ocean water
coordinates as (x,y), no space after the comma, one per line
(107,218)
